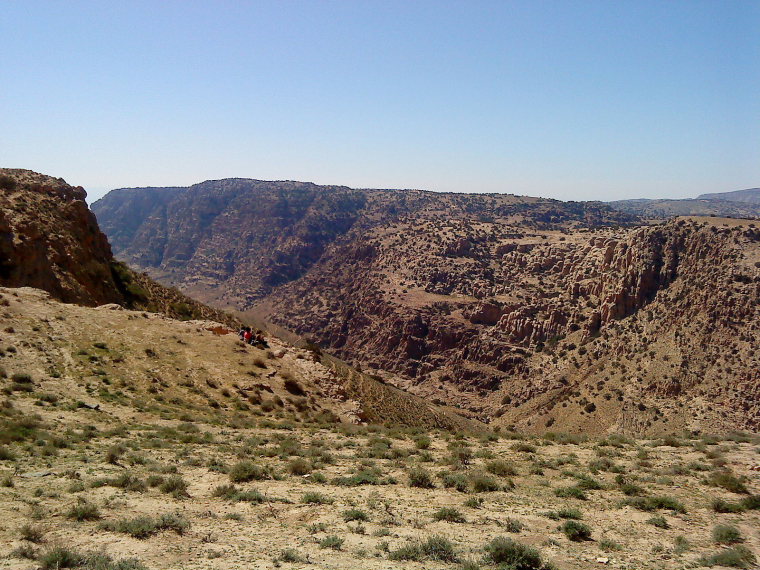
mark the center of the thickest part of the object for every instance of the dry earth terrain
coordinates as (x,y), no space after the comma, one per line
(130,440)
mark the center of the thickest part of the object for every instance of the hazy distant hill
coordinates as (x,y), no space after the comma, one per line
(737,204)
(749,196)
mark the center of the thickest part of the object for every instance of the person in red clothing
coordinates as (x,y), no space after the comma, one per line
(247,335)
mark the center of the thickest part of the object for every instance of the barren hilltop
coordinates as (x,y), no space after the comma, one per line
(522,312)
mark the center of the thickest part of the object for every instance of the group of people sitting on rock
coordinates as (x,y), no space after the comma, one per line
(253,338)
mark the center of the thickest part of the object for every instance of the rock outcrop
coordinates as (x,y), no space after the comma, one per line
(50,240)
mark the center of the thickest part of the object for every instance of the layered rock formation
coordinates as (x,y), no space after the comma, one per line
(519,311)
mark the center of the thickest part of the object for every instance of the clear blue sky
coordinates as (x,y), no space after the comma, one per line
(573,100)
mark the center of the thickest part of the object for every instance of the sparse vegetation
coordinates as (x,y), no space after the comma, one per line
(449,514)
(575,530)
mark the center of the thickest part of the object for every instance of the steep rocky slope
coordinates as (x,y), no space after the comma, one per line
(613,320)
(519,311)
(234,241)
(51,241)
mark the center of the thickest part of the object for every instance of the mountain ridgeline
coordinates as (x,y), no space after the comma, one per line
(524,312)
(57,272)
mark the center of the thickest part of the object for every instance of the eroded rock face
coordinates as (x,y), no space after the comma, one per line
(519,311)
(49,239)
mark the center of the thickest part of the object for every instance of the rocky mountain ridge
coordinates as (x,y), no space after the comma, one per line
(519,311)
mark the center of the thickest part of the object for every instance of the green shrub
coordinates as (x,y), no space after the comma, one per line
(570,493)
(420,478)
(474,502)
(454,479)
(64,558)
(655,503)
(461,456)
(299,466)
(22,378)
(232,493)
(434,548)
(631,490)
(726,534)
(407,552)
(355,515)
(422,442)
(723,506)
(734,557)
(449,514)
(659,522)
(32,534)
(513,525)
(681,545)
(572,514)
(751,503)
(83,511)
(6,454)
(512,555)
(293,556)
(728,481)
(316,499)
(246,471)
(501,468)
(175,486)
(24,551)
(114,453)
(609,545)
(439,548)
(332,541)
(127,481)
(482,483)
(576,531)
(59,557)
(138,527)
(588,483)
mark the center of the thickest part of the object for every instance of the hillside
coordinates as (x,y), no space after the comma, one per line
(52,242)
(748,196)
(236,240)
(726,204)
(132,441)
(519,311)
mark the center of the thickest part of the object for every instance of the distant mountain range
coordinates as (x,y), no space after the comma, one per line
(737,204)
(750,196)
